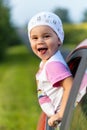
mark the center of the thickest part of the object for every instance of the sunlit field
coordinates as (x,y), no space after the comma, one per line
(19,109)
(79,118)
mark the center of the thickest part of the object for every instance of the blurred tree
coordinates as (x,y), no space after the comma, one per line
(8,35)
(63,14)
(84,16)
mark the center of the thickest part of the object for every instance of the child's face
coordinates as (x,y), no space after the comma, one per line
(44,42)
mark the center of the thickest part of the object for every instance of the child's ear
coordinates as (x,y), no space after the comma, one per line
(59,42)
(58,45)
(59,39)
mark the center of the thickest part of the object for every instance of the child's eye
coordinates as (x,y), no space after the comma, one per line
(34,38)
(46,36)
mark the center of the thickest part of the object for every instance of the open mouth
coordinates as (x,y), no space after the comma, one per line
(42,50)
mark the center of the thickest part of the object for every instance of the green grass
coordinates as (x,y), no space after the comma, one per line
(19,109)
(79,118)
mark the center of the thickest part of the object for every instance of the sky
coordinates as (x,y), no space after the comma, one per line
(23,10)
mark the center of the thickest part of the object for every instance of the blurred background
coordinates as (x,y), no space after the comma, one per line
(19,107)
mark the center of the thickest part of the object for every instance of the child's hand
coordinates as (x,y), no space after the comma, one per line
(54,120)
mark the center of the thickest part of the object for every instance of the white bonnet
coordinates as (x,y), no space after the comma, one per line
(50,19)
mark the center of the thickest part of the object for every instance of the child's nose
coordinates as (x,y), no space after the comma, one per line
(40,40)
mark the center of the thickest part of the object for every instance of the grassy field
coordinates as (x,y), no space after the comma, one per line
(19,109)
(18,100)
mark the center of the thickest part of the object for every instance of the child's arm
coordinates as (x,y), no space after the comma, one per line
(66,84)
